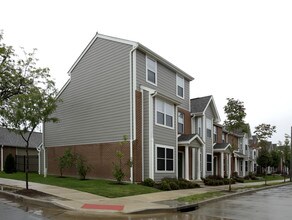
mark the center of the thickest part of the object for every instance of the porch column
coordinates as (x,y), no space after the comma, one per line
(222,164)
(235,165)
(199,165)
(2,158)
(243,168)
(193,164)
(229,165)
(187,173)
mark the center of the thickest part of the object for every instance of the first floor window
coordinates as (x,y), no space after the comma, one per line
(209,162)
(165,158)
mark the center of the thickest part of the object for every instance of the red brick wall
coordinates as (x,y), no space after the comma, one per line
(187,120)
(137,146)
(99,156)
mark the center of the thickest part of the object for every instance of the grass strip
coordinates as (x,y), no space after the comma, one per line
(100,187)
(200,197)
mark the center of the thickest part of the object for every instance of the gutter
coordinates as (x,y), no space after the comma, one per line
(132,108)
(2,157)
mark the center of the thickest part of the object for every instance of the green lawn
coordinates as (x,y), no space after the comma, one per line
(268,178)
(99,187)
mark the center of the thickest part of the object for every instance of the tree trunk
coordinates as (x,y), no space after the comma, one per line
(26,167)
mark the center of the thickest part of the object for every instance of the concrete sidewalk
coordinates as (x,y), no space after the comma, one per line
(89,203)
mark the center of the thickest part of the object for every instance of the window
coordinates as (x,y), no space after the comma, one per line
(209,126)
(209,162)
(180,123)
(223,138)
(214,134)
(246,166)
(180,85)
(199,127)
(241,165)
(164,158)
(164,113)
(151,71)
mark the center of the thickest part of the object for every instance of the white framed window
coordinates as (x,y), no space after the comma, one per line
(214,134)
(151,71)
(209,162)
(200,127)
(164,113)
(180,122)
(223,138)
(180,86)
(164,159)
(209,127)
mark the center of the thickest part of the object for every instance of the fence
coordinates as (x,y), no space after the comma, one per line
(21,163)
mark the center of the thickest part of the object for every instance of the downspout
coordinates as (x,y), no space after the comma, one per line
(2,157)
(131,113)
(44,149)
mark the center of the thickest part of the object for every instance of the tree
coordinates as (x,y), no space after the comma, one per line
(235,115)
(9,166)
(264,160)
(286,156)
(118,171)
(29,104)
(275,158)
(263,133)
(66,161)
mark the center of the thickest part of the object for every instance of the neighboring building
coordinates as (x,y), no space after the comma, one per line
(119,87)
(204,115)
(11,143)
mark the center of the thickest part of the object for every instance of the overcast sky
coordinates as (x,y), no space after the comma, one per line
(239,49)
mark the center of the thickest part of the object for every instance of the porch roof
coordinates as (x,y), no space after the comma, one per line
(188,139)
(222,147)
(239,154)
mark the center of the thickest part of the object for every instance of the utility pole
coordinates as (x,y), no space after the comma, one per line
(290,170)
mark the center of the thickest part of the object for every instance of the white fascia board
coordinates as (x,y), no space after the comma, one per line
(217,116)
(132,43)
(164,61)
(63,88)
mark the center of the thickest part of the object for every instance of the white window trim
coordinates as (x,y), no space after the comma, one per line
(208,162)
(166,147)
(178,76)
(183,123)
(155,84)
(173,119)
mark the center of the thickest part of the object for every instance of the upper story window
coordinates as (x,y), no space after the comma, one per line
(223,138)
(180,86)
(180,123)
(209,127)
(151,71)
(214,134)
(200,127)
(164,113)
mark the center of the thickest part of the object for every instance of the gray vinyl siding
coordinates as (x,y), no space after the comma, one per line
(165,137)
(95,106)
(146,133)
(209,141)
(166,81)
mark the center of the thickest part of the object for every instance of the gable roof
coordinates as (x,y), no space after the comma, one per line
(9,138)
(200,105)
(188,138)
(135,45)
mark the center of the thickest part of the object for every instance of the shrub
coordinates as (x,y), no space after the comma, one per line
(148,182)
(66,161)
(82,167)
(9,166)
(235,174)
(165,186)
(174,186)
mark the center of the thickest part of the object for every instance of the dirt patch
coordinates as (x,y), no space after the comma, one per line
(32,193)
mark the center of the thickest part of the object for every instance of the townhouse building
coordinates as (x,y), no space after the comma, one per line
(119,87)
